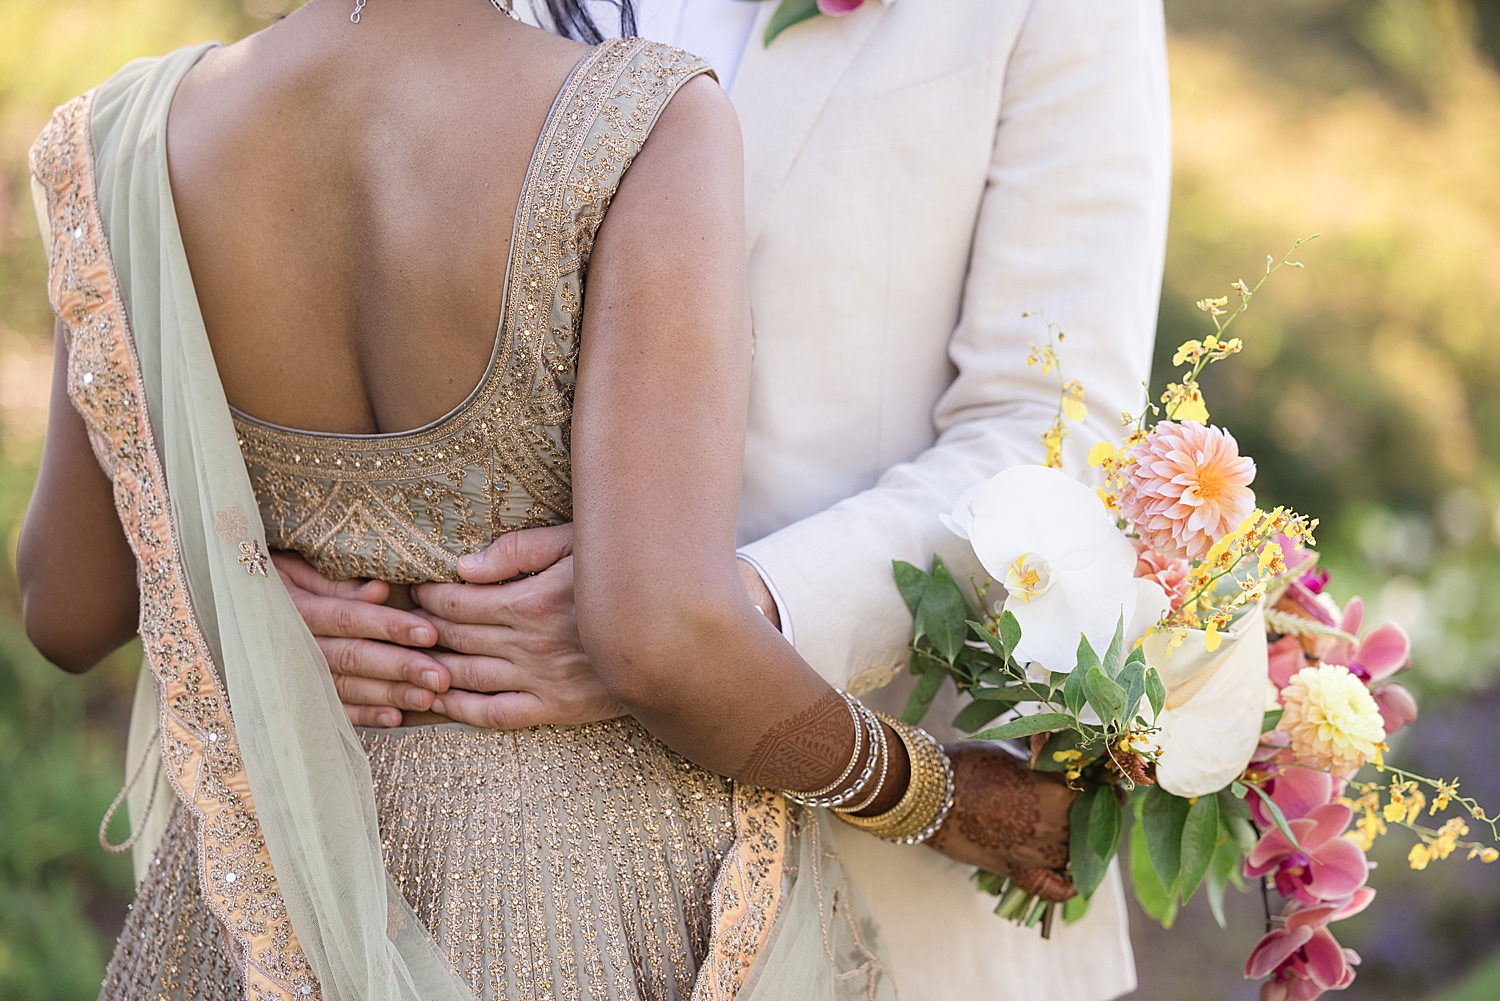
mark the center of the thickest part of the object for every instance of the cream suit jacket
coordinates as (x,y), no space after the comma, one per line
(919,174)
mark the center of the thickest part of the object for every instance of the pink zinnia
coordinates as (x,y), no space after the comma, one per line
(1188,488)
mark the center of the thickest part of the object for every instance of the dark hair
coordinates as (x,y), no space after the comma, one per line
(571,19)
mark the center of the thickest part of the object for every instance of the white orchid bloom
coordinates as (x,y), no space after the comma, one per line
(1216,700)
(1066,568)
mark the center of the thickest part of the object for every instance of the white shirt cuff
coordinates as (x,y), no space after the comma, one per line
(781,615)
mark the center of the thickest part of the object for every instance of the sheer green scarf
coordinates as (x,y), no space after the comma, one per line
(308,774)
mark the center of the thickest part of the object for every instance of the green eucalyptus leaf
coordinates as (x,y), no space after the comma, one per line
(990,638)
(1104,824)
(1241,830)
(977,713)
(1133,679)
(1156,692)
(1087,658)
(1225,864)
(1074,694)
(1010,632)
(1012,694)
(1074,908)
(1200,837)
(1116,652)
(1162,817)
(1026,726)
(1087,868)
(1104,694)
(944,613)
(1062,740)
(790,12)
(1158,901)
(1232,807)
(912,582)
(921,696)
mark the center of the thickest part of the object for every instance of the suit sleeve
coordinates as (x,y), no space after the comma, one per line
(1072,222)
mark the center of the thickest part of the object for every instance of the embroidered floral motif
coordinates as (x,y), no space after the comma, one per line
(253,560)
(199,747)
(231,523)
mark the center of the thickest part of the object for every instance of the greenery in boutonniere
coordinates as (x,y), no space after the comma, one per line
(790,12)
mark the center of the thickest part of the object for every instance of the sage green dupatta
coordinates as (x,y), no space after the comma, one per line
(310,806)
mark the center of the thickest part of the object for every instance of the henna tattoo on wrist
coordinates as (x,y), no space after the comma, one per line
(804,751)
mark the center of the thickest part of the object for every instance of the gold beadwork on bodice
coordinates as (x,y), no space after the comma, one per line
(403,507)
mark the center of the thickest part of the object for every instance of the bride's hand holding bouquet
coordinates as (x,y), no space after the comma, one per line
(1171,654)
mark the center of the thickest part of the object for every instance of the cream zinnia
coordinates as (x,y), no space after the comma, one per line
(1187,488)
(1331,718)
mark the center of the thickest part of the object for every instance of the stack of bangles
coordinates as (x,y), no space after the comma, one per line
(928,797)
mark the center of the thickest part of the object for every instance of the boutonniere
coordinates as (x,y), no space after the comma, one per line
(790,12)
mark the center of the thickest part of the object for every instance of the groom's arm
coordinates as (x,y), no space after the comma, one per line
(1073,222)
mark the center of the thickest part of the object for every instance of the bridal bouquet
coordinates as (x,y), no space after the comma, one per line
(1173,651)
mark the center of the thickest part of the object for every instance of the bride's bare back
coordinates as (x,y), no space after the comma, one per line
(346,194)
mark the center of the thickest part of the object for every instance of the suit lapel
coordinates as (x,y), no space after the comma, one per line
(779,92)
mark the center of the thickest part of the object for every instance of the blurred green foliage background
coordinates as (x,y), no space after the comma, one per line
(1366,394)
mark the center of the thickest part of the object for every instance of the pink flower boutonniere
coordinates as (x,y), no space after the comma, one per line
(791,12)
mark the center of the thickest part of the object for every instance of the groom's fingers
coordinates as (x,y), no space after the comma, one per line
(484,674)
(356,691)
(361,620)
(299,573)
(530,550)
(380,716)
(383,662)
(542,603)
(502,711)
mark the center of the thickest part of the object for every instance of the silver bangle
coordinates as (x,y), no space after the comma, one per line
(884,752)
(854,714)
(863,719)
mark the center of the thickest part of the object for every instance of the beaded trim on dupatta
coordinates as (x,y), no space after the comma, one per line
(198,742)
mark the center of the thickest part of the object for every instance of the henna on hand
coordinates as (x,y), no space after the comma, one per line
(1008,819)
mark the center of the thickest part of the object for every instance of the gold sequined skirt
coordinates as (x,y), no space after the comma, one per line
(565,863)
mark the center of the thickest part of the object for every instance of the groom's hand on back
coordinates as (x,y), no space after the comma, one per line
(508,654)
(373,651)
(509,637)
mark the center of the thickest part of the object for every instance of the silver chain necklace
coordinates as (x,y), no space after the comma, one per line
(505,7)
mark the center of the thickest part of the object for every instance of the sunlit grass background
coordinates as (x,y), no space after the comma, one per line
(1366,393)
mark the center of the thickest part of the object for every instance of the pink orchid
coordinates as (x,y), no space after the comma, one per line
(838,8)
(1382,652)
(1302,598)
(1296,791)
(1286,658)
(1326,868)
(1302,955)
(1397,707)
(1303,563)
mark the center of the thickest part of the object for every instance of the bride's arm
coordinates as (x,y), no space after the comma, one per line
(76,570)
(658,439)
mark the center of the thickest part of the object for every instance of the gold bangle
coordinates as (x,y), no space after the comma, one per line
(929,793)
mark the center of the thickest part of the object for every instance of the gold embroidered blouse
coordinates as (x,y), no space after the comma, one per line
(403,507)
